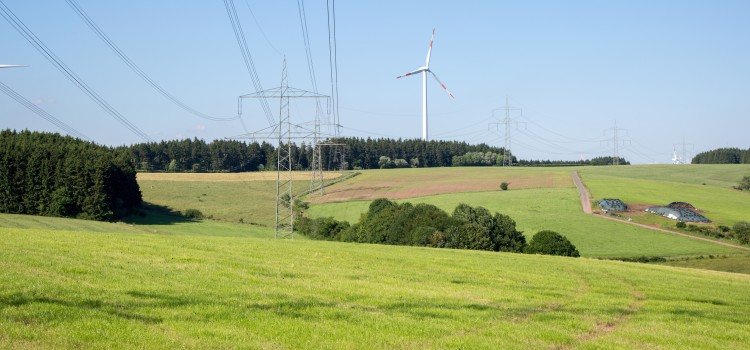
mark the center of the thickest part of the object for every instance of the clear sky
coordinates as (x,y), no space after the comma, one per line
(663,70)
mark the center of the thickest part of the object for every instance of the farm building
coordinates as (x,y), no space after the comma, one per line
(609,204)
(678,213)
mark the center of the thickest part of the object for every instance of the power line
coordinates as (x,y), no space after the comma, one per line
(95,28)
(63,68)
(262,32)
(333,62)
(42,113)
(239,35)
(308,53)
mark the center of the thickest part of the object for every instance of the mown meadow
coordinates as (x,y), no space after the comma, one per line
(157,280)
(126,289)
(556,206)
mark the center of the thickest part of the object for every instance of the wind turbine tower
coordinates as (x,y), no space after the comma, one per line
(424,70)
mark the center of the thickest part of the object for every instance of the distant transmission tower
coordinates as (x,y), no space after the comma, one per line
(683,159)
(616,141)
(286,131)
(507,122)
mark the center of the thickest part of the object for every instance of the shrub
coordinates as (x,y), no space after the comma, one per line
(681,225)
(744,185)
(193,214)
(742,232)
(504,186)
(551,243)
(499,228)
(321,228)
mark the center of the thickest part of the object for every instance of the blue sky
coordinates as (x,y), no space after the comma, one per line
(664,71)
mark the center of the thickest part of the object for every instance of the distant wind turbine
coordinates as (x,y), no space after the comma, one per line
(424,70)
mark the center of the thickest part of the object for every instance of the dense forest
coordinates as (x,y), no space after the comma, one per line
(344,153)
(54,175)
(723,156)
(236,156)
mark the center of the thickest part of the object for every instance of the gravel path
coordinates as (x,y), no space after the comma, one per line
(586,204)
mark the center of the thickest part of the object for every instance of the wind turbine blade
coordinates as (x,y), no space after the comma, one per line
(441,84)
(11,65)
(429,50)
(420,70)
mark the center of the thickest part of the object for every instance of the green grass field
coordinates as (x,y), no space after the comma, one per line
(251,201)
(163,281)
(736,264)
(64,289)
(707,187)
(557,207)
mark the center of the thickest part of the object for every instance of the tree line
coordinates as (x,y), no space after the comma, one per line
(723,156)
(593,161)
(475,228)
(196,155)
(54,175)
(345,153)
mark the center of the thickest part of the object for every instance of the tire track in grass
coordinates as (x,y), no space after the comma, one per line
(601,329)
(513,316)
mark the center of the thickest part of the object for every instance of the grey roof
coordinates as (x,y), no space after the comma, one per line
(679,214)
(613,204)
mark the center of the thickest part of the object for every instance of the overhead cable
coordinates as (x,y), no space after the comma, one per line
(95,28)
(239,35)
(63,68)
(42,113)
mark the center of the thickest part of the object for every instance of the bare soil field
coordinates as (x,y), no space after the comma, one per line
(228,177)
(410,183)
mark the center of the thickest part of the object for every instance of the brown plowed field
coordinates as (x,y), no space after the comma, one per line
(409,183)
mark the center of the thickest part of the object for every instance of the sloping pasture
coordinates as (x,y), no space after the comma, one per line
(64,289)
(556,209)
(707,187)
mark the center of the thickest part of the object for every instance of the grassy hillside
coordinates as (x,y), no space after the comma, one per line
(555,209)
(554,204)
(226,197)
(707,187)
(154,222)
(64,289)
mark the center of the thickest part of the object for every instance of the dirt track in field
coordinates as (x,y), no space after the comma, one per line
(585,197)
(228,177)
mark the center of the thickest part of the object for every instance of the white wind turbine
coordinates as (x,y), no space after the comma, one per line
(424,70)
(10,65)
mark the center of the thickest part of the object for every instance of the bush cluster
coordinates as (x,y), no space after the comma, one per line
(387,222)
(721,231)
(742,232)
(551,243)
(193,214)
(744,184)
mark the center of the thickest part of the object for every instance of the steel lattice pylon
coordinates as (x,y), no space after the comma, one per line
(284,185)
(286,131)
